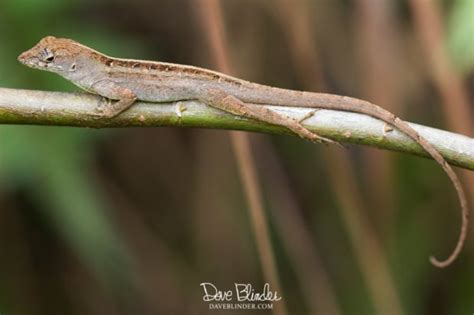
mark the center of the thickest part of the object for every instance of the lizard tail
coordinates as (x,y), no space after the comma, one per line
(336,102)
(269,95)
(380,113)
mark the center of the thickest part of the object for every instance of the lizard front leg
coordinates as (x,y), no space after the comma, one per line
(113,91)
(228,103)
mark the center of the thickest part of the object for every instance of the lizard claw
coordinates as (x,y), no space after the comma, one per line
(103,104)
(97,115)
(104,109)
(105,113)
(323,140)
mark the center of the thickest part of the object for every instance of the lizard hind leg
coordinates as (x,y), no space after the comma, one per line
(228,103)
(304,133)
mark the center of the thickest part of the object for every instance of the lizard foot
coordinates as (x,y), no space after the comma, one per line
(308,115)
(101,108)
(105,109)
(103,103)
(322,140)
(307,134)
(108,112)
(102,114)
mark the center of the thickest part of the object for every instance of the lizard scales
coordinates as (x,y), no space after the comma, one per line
(128,80)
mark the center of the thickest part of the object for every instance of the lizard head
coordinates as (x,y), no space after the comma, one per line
(58,55)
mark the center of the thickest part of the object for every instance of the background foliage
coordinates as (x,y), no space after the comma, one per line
(131,221)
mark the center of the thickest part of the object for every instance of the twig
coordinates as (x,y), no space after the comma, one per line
(78,109)
(212,18)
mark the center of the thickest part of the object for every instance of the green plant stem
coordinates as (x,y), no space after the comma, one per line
(78,109)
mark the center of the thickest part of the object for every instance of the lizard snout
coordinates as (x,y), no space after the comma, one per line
(27,59)
(23,57)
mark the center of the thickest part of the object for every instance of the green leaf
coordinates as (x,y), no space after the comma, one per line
(461,34)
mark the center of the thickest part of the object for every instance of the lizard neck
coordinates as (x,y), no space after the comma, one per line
(86,70)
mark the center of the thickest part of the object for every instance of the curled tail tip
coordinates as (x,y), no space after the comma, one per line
(442,264)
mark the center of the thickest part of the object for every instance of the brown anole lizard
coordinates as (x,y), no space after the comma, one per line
(127,81)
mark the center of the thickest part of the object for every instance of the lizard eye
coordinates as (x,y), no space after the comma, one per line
(48,56)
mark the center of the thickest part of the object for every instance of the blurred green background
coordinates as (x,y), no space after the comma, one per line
(131,221)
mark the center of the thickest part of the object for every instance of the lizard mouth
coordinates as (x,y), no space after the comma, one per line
(31,62)
(23,57)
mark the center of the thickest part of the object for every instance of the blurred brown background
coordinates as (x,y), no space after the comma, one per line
(131,221)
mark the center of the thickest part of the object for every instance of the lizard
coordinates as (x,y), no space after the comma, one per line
(129,80)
